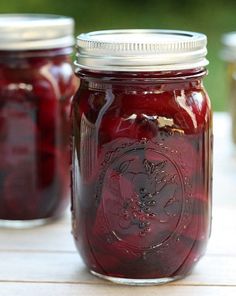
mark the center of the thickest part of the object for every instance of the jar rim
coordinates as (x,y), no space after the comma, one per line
(35,31)
(141,50)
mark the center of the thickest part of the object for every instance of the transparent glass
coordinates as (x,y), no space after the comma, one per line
(35,96)
(231,82)
(142,174)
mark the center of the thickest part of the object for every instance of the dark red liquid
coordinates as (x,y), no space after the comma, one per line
(35,93)
(141,173)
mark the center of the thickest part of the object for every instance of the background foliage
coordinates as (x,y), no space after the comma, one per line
(210,17)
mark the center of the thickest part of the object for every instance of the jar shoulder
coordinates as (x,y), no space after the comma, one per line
(29,68)
(42,77)
(188,109)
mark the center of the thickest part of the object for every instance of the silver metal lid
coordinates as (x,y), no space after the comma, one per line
(229,51)
(141,50)
(35,31)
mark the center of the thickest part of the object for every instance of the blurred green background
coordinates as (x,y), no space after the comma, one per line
(210,17)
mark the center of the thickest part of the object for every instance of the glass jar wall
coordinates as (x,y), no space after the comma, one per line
(229,56)
(141,156)
(36,85)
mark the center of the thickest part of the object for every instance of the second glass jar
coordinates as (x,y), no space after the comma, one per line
(228,54)
(36,86)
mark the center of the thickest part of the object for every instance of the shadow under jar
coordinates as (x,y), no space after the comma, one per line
(36,86)
(141,154)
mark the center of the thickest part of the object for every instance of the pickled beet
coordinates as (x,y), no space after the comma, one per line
(142,206)
(35,95)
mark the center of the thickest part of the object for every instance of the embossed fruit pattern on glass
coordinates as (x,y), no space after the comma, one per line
(142,173)
(35,92)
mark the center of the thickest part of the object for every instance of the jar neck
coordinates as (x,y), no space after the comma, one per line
(6,55)
(144,77)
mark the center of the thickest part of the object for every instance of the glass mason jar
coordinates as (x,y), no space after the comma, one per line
(36,85)
(141,154)
(228,54)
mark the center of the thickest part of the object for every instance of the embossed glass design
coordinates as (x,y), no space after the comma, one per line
(142,168)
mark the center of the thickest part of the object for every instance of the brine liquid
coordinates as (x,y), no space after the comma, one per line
(141,180)
(34,136)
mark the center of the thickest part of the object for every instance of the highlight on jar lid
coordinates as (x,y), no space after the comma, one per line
(141,50)
(35,31)
(229,51)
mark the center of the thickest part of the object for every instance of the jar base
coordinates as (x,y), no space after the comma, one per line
(137,282)
(24,224)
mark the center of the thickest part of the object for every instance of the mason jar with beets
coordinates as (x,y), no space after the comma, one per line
(141,154)
(36,86)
